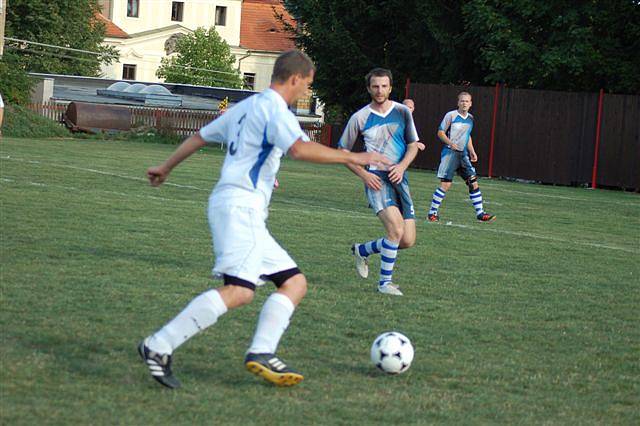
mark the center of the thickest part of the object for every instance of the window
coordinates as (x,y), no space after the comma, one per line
(249,80)
(176,10)
(221,15)
(133,7)
(128,72)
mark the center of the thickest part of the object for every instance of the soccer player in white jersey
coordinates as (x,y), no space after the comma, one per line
(457,155)
(387,127)
(258,131)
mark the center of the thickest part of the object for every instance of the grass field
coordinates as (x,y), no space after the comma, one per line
(532,319)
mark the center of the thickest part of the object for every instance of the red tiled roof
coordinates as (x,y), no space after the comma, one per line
(112,29)
(260,30)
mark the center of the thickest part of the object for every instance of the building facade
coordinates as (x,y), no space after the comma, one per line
(143,30)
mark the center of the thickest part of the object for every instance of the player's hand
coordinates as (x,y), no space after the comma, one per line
(421,146)
(370,159)
(157,175)
(396,172)
(372,181)
(473,157)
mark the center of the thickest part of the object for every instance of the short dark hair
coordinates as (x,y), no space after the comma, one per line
(379,72)
(290,63)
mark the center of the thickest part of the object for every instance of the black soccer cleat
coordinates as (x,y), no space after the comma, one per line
(159,366)
(272,369)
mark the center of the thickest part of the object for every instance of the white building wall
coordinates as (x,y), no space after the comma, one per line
(258,63)
(154,14)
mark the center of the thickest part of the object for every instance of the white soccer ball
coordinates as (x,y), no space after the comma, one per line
(392,352)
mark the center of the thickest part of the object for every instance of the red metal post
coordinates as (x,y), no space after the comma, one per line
(406,88)
(594,174)
(493,128)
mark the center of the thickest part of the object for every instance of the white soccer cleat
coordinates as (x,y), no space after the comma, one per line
(389,288)
(362,262)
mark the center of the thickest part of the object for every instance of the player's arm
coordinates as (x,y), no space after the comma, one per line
(370,180)
(397,170)
(316,153)
(158,174)
(472,152)
(444,138)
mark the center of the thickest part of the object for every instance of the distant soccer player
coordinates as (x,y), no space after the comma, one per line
(258,131)
(412,106)
(387,127)
(457,155)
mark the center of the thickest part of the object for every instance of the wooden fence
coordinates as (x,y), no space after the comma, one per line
(544,136)
(52,110)
(183,122)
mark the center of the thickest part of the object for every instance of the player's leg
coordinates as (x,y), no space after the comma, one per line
(238,259)
(468,173)
(448,164)
(393,222)
(376,199)
(275,316)
(409,236)
(201,313)
(403,196)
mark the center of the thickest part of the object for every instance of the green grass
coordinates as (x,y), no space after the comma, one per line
(532,319)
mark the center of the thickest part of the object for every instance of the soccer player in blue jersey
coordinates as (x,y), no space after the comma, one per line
(258,131)
(457,155)
(387,127)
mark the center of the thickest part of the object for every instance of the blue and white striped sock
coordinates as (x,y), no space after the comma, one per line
(476,199)
(438,196)
(370,247)
(387,260)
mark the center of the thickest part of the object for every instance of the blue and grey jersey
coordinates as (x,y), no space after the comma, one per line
(388,134)
(457,128)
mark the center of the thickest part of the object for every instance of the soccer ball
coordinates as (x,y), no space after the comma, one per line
(392,352)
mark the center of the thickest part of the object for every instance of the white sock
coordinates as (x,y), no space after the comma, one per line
(273,321)
(202,312)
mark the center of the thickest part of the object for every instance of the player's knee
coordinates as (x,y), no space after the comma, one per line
(395,232)
(472,183)
(407,243)
(445,184)
(236,295)
(295,288)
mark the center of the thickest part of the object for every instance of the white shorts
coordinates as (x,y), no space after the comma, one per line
(243,246)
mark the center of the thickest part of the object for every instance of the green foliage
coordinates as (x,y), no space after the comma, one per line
(23,123)
(15,83)
(67,23)
(202,58)
(531,320)
(562,45)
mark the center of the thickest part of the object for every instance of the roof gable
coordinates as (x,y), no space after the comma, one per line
(259,28)
(112,30)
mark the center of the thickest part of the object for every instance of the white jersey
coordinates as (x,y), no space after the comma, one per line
(258,131)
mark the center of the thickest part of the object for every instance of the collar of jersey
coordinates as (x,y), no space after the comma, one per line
(272,93)
(393,105)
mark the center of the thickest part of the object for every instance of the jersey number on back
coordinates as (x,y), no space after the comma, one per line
(233,148)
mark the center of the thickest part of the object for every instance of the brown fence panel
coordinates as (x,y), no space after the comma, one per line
(545,136)
(50,110)
(619,159)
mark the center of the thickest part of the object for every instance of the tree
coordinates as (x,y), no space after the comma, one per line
(202,58)
(15,84)
(66,23)
(563,45)
(416,39)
